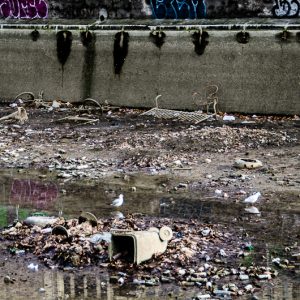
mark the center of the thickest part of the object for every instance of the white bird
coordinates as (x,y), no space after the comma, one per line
(252,210)
(118,215)
(119,201)
(253,198)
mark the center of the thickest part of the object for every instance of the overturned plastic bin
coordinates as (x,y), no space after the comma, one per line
(138,246)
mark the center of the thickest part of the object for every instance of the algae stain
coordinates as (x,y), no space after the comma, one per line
(35,35)
(120,52)
(243,37)
(64,44)
(88,40)
(199,39)
(158,38)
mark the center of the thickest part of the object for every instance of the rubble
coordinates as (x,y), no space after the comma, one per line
(197,159)
(20,115)
(137,144)
(185,261)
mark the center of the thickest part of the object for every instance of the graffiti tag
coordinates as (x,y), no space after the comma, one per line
(286,8)
(27,191)
(23,9)
(178,9)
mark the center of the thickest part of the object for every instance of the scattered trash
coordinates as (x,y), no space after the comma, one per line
(46,230)
(41,221)
(20,252)
(222,293)
(183,185)
(247,163)
(264,276)
(98,237)
(78,119)
(139,246)
(55,104)
(119,201)
(118,215)
(196,117)
(202,296)
(205,231)
(20,115)
(7,279)
(60,230)
(296,256)
(252,210)
(121,281)
(87,216)
(178,163)
(33,267)
(248,287)
(189,254)
(253,198)
(228,118)
(218,192)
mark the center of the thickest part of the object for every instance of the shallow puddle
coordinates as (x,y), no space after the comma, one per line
(24,193)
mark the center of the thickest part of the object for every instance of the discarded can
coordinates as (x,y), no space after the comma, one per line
(139,246)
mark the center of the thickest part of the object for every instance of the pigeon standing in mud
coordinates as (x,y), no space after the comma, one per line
(119,201)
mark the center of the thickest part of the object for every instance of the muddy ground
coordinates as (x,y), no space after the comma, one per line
(180,161)
(125,142)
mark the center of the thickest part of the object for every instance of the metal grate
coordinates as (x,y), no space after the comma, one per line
(196,117)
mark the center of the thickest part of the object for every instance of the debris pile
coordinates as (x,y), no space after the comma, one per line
(134,142)
(210,257)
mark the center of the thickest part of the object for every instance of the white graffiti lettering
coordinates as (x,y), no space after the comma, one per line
(23,9)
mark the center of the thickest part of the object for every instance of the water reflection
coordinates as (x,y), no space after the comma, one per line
(69,285)
(23,194)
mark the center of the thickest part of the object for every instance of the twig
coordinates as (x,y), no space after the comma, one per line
(76,118)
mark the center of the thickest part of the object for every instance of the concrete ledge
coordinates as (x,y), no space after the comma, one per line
(148,24)
(261,76)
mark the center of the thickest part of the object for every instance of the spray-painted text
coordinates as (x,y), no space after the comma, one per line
(178,9)
(23,9)
(286,8)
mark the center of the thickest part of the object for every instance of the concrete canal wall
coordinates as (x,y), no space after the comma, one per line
(256,71)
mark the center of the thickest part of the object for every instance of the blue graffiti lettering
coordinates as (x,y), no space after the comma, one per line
(178,9)
(286,8)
